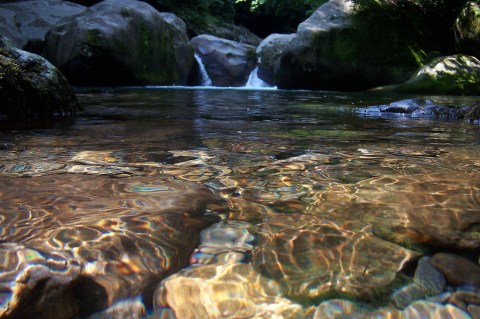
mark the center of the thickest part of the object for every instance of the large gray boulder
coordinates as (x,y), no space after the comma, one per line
(121,42)
(350,47)
(268,52)
(31,87)
(467,29)
(228,63)
(456,74)
(27,22)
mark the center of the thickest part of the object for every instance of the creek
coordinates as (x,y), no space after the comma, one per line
(225,203)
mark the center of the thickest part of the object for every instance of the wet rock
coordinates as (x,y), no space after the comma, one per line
(423,309)
(30,87)
(465,299)
(223,291)
(313,258)
(467,29)
(228,63)
(36,283)
(121,42)
(27,22)
(125,309)
(138,231)
(346,309)
(407,295)
(224,242)
(458,270)
(340,308)
(455,74)
(428,277)
(268,52)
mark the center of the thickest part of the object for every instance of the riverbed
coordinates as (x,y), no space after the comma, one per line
(164,202)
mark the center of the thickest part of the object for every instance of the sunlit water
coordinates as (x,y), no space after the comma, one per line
(200,203)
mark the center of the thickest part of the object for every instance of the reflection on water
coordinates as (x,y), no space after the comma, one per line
(184,203)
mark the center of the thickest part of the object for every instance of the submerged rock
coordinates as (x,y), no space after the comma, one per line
(27,22)
(228,63)
(458,270)
(224,291)
(456,74)
(138,231)
(345,309)
(30,87)
(313,258)
(121,42)
(467,29)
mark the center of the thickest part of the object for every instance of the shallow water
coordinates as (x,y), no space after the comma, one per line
(232,204)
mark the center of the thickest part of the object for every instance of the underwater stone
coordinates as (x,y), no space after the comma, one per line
(427,276)
(458,270)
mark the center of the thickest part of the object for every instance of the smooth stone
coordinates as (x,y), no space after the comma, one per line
(223,291)
(474,311)
(340,308)
(458,270)
(463,299)
(125,309)
(428,277)
(407,295)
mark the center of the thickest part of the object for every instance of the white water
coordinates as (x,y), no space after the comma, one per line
(255,82)
(206,81)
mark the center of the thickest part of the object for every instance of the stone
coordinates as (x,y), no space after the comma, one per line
(268,52)
(138,231)
(30,87)
(456,74)
(458,270)
(121,43)
(27,22)
(228,63)
(428,277)
(340,308)
(313,258)
(233,290)
(464,299)
(467,29)
(35,283)
(407,295)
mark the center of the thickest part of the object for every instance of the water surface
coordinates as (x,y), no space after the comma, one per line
(263,202)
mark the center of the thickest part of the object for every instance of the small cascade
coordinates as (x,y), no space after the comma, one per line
(206,81)
(254,81)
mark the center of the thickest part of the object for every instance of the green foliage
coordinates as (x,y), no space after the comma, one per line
(274,16)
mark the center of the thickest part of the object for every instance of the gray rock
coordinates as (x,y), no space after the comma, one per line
(29,21)
(120,42)
(268,52)
(31,87)
(407,295)
(467,29)
(228,63)
(429,278)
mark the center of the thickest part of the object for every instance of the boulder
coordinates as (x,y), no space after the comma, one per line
(121,43)
(80,259)
(456,74)
(352,48)
(234,33)
(228,63)
(27,22)
(467,29)
(31,87)
(315,259)
(268,52)
(218,291)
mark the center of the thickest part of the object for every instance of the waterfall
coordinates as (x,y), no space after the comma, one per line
(206,81)
(254,81)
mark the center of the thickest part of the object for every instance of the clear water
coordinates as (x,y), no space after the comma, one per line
(232,203)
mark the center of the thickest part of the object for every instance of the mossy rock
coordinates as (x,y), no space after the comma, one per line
(30,87)
(120,42)
(467,29)
(455,75)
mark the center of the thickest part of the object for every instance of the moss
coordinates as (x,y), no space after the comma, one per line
(95,38)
